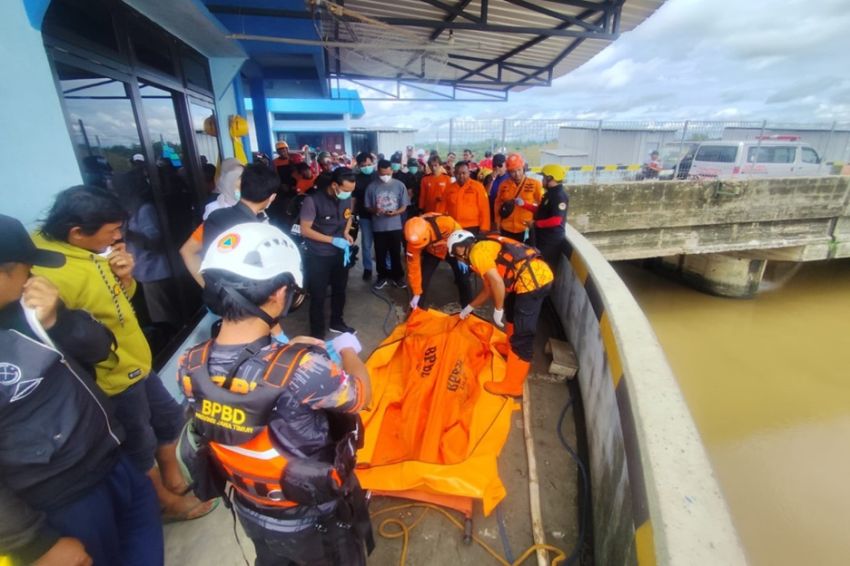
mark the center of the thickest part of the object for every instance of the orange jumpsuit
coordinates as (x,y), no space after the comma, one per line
(468,205)
(436,248)
(531,191)
(431,192)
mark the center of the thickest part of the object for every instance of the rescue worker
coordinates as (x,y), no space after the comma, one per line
(277,417)
(517,279)
(433,186)
(426,246)
(511,217)
(325,225)
(466,201)
(282,158)
(551,216)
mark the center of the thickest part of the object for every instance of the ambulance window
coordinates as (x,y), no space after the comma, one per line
(717,153)
(810,155)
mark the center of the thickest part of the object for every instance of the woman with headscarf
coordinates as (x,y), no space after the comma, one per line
(227,186)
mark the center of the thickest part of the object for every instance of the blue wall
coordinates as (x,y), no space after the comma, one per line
(36,155)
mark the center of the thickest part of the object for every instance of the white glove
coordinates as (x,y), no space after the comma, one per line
(346,340)
(467,310)
(414,302)
(497,317)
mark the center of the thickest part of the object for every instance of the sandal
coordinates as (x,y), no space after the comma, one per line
(196,512)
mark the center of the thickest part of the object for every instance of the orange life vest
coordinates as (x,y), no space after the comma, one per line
(513,259)
(232,415)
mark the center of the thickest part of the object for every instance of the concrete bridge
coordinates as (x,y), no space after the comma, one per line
(718,235)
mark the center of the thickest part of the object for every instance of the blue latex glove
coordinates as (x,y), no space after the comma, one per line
(463,267)
(343,244)
(525,235)
(519,202)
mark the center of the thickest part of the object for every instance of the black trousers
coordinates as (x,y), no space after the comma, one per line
(523,311)
(551,246)
(463,282)
(321,272)
(388,244)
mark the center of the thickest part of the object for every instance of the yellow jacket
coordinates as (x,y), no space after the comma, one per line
(86,282)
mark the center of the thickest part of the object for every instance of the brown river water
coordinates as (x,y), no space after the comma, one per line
(768,383)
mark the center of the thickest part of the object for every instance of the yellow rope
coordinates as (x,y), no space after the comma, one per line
(403,531)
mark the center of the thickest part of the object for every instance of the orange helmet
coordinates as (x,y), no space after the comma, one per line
(417,232)
(514,161)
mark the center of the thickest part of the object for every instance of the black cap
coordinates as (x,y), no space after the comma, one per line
(17,247)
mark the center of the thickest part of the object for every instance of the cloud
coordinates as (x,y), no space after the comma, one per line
(692,59)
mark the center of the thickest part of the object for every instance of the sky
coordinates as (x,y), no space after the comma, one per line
(692,59)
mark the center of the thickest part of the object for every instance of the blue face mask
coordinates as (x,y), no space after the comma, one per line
(367,169)
(413,170)
(342,195)
(395,166)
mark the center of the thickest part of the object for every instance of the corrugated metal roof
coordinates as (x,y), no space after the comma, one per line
(491,54)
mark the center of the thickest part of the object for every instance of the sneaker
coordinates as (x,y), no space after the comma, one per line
(367,275)
(341,327)
(400,283)
(380,284)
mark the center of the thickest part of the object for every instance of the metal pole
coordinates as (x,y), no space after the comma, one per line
(451,133)
(758,148)
(85,137)
(596,151)
(681,147)
(826,149)
(504,132)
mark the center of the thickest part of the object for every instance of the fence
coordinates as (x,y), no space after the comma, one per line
(615,150)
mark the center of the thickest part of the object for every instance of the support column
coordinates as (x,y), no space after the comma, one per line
(261,116)
(724,274)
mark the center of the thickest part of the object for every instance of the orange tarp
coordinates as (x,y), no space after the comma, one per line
(432,428)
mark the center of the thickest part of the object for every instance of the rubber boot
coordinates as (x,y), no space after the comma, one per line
(515,374)
(505,347)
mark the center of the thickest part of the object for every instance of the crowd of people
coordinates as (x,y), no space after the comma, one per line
(95,454)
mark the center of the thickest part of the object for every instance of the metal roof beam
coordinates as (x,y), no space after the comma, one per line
(460,7)
(520,48)
(451,10)
(553,14)
(475,25)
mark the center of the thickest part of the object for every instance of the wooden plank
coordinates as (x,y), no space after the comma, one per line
(564,359)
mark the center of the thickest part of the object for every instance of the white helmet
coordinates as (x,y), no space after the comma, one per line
(464,237)
(256,251)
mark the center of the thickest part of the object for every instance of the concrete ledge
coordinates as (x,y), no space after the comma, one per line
(655,497)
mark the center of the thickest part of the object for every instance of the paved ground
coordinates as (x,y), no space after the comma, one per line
(211,540)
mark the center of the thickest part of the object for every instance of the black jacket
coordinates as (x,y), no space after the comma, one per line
(57,437)
(223,219)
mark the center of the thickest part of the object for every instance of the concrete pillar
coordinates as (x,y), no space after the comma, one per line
(261,116)
(724,274)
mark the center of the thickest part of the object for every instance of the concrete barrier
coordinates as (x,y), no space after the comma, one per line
(655,497)
(809,215)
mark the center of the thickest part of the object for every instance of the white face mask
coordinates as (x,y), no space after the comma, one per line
(385,178)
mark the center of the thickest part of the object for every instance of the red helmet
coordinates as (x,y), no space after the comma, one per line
(514,161)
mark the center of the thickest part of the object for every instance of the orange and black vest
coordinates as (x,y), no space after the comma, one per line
(438,246)
(513,259)
(232,413)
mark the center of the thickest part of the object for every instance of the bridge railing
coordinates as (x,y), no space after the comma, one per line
(655,499)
